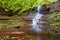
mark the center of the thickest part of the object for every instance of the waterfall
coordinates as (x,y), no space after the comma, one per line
(36,19)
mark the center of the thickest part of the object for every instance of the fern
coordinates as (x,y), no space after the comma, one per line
(22,4)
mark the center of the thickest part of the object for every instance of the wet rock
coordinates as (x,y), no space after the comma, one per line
(41,22)
(45,9)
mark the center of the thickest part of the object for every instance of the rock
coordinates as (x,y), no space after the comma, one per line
(41,22)
(55,6)
(45,9)
(16,26)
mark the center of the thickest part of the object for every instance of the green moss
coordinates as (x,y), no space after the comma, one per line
(3,27)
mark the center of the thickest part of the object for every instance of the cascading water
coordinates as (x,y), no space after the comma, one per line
(36,19)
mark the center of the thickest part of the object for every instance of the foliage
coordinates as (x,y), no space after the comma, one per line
(41,2)
(22,4)
(16,4)
(54,25)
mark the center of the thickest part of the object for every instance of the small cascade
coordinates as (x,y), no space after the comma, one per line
(36,19)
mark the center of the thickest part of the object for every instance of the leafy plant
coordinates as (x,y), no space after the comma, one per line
(22,4)
(54,25)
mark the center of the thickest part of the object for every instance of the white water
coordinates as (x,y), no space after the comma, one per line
(36,19)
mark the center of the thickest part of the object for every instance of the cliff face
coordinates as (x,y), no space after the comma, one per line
(53,7)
